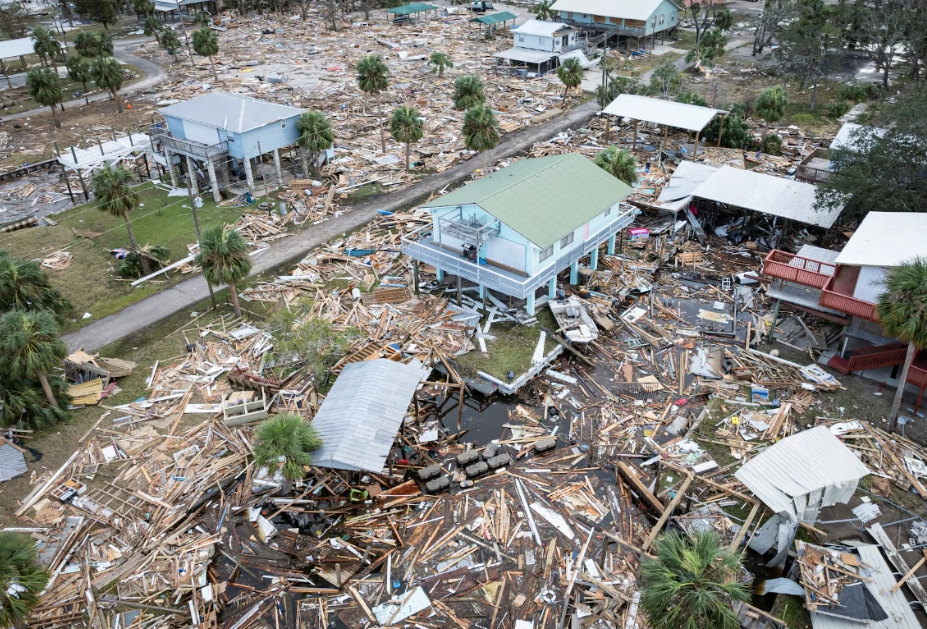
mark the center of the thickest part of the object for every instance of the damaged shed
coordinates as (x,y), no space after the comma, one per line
(362,413)
(795,478)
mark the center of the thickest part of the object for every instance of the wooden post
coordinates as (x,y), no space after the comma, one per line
(667,513)
(460,405)
(634,141)
(695,147)
(721,129)
(5,75)
(415,275)
(459,291)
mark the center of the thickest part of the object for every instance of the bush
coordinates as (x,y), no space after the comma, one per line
(131,266)
(286,441)
(837,108)
(772,144)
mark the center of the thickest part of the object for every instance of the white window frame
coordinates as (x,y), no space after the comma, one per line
(546,253)
(567,240)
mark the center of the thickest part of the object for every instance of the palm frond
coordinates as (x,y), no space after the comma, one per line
(223,256)
(479,129)
(286,441)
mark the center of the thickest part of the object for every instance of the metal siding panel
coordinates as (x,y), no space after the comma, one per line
(175,126)
(870,283)
(12,462)
(270,137)
(627,9)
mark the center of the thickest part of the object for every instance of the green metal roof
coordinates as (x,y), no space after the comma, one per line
(415,7)
(494,18)
(543,199)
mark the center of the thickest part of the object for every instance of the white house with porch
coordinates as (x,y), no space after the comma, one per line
(515,230)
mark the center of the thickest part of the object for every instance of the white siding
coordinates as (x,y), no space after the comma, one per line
(870,284)
(505,252)
(200,132)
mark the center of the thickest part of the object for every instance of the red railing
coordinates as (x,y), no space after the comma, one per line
(871,358)
(834,297)
(793,268)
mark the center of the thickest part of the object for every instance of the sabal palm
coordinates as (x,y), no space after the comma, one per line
(570,74)
(440,61)
(619,164)
(45,89)
(152,26)
(902,311)
(315,135)
(87,45)
(286,441)
(202,19)
(170,42)
(405,125)
(691,583)
(45,44)
(107,73)
(224,259)
(24,285)
(479,131)
(206,44)
(543,10)
(468,91)
(30,346)
(20,572)
(114,192)
(79,70)
(771,105)
(373,78)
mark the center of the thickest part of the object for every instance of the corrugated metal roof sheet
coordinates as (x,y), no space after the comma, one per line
(362,413)
(16,47)
(234,112)
(664,112)
(771,195)
(494,18)
(817,253)
(886,239)
(843,140)
(12,462)
(526,55)
(687,177)
(539,28)
(810,460)
(894,603)
(627,9)
(415,7)
(543,199)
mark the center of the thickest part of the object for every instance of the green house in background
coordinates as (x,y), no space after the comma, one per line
(638,19)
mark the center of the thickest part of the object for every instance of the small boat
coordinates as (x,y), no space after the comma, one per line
(573,320)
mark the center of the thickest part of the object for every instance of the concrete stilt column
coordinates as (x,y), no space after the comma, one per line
(170,167)
(440,275)
(482,292)
(278,167)
(217,197)
(529,306)
(249,175)
(574,274)
(552,288)
(594,259)
(611,245)
(191,176)
(223,174)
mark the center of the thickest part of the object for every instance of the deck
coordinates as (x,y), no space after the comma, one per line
(837,294)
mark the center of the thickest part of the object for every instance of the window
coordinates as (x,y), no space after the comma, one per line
(607,212)
(566,240)
(662,19)
(521,39)
(546,253)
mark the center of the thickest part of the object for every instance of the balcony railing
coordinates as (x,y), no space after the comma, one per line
(830,298)
(793,268)
(811,170)
(419,245)
(187,147)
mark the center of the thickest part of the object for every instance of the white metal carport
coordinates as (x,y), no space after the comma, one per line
(664,113)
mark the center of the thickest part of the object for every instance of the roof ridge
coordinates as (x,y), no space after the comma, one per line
(563,157)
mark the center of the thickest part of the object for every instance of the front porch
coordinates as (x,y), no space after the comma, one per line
(422,246)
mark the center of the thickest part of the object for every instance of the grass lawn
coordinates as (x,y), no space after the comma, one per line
(512,349)
(91,282)
(792,610)
(18,99)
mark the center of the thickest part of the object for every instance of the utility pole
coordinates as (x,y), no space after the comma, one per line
(196,225)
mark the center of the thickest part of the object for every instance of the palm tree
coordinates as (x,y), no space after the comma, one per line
(468,91)
(771,105)
(45,90)
(87,45)
(373,78)
(143,7)
(24,285)
(107,73)
(543,10)
(152,26)
(206,44)
(619,164)
(21,574)
(79,70)
(691,584)
(202,19)
(170,42)
(31,347)
(114,192)
(224,259)
(902,311)
(105,42)
(45,44)
(405,125)
(315,136)
(286,441)
(479,130)
(440,61)
(570,74)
